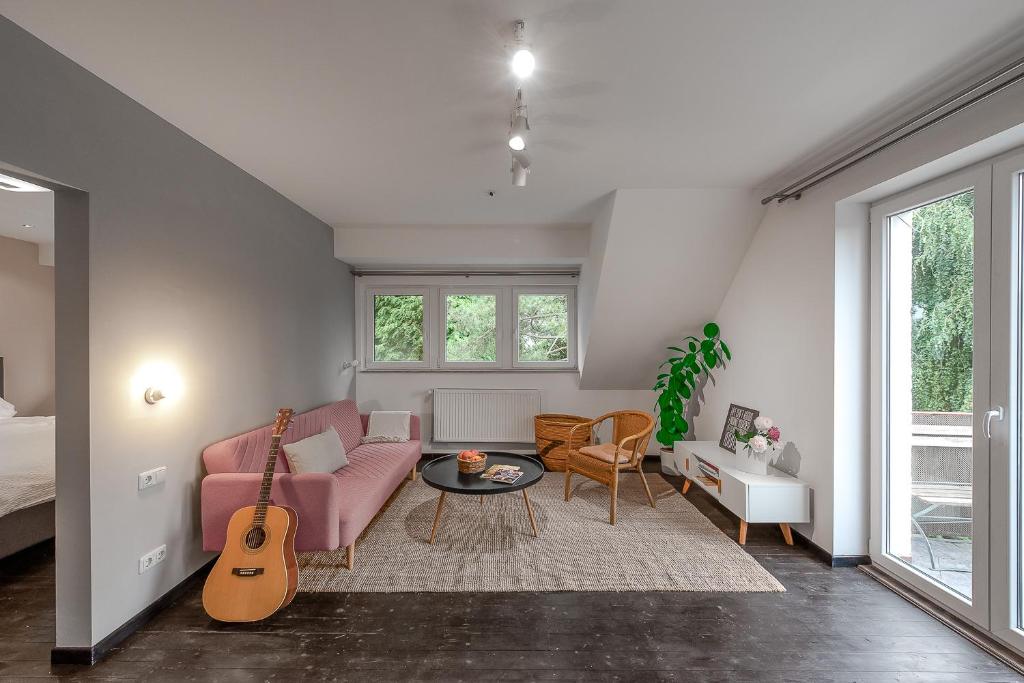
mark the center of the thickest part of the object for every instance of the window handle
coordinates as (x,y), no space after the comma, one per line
(996,413)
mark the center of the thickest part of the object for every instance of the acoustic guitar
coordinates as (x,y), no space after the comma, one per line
(256,574)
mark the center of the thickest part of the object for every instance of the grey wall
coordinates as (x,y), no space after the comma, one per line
(26,334)
(190,263)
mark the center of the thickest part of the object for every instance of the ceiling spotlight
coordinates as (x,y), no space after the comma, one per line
(520,125)
(523,62)
(517,136)
(520,169)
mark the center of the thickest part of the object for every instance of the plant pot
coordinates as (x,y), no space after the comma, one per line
(669,464)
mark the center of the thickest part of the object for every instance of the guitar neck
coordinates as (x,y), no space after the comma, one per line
(268,480)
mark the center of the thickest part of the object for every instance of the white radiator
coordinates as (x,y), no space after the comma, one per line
(485,415)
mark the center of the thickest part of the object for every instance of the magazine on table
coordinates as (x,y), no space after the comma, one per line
(503,474)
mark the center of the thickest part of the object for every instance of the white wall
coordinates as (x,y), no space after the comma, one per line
(26,335)
(590,274)
(191,263)
(668,259)
(801,358)
(462,244)
(560,394)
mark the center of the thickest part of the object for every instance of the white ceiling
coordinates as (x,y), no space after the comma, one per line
(18,209)
(396,111)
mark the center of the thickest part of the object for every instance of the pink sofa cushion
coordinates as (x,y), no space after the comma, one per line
(374,471)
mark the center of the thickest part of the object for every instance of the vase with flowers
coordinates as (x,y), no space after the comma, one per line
(758,444)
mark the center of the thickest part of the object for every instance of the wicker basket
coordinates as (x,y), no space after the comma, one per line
(552,433)
(467,467)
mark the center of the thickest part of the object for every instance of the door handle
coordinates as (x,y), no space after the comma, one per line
(996,413)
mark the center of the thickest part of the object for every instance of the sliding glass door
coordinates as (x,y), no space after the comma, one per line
(933,280)
(948,393)
(1007,392)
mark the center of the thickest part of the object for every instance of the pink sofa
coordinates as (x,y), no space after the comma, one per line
(333,508)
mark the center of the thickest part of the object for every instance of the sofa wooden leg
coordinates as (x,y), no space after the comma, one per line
(350,556)
(412,474)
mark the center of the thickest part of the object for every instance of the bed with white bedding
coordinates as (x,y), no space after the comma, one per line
(26,462)
(27,479)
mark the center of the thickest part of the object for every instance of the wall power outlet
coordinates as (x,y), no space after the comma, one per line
(152,558)
(152,477)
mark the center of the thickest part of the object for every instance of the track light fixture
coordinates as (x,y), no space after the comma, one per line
(522,65)
(520,125)
(523,61)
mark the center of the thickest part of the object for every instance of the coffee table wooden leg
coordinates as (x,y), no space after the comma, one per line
(437,517)
(529,510)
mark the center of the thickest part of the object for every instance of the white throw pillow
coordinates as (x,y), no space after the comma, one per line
(322,452)
(388,426)
(7,409)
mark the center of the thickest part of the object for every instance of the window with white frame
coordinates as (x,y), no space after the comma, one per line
(447,326)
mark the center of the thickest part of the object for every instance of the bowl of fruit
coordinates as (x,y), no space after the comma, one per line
(471,462)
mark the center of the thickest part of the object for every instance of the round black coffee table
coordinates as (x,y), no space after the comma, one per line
(443,474)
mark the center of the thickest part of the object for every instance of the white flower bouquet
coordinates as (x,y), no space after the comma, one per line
(762,439)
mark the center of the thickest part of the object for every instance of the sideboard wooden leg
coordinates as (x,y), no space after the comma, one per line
(686,486)
(743,532)
(787,533)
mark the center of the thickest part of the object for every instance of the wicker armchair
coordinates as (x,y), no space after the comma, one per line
(631,431)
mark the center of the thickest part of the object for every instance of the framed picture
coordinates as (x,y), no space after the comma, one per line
(739,419)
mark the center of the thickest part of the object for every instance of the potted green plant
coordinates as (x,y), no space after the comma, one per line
(693,360)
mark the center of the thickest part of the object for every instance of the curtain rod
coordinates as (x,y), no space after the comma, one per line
(462,273)
(907,129)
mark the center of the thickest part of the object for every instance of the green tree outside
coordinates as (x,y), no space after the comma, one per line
(397,327)
(942,327)
(470,327)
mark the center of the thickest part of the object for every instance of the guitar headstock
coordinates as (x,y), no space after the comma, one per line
(284,418)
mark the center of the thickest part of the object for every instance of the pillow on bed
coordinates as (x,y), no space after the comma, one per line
(322,452)
(388,426)
(7,409)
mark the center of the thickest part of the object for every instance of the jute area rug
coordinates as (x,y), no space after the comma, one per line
(490,547)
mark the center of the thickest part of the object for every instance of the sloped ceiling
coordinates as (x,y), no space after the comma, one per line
(396,112)
(660,269)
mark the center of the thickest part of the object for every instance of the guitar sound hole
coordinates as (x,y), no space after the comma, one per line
(255,538)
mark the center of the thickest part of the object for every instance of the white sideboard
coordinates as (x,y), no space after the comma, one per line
(775,497)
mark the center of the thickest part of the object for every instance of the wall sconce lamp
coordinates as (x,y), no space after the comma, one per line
(153,394)
(156,381)
(350,364)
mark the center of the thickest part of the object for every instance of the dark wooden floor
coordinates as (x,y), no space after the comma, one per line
(830,625)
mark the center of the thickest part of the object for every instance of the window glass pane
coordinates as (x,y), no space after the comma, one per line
(543,327)
(398,327)
(471,324)
(931,398)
